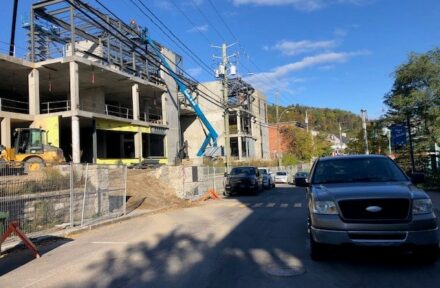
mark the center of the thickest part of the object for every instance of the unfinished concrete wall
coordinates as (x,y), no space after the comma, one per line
(171,111)
(92,100)
(194,134)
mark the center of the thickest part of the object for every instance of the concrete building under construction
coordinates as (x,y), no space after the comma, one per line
(94,84)
(248,129)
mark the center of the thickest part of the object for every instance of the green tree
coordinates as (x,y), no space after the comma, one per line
(299,142)
(415,95)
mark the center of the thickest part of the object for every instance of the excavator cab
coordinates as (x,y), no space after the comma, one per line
(29,141)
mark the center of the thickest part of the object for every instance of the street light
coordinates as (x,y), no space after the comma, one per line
(281,115)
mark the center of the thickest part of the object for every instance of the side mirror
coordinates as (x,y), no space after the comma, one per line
(417,178)
(304,183)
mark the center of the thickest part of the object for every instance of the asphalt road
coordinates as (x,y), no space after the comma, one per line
(235,242)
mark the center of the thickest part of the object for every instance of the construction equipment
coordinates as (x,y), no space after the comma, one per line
(211,136)
(30,151)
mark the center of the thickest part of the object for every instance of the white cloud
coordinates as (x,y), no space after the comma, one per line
(279,77)
(339,32)
(307,5)
(201,28)
(297,47)
(194,72)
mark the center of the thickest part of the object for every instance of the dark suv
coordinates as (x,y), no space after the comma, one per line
(243,179)
(366,200)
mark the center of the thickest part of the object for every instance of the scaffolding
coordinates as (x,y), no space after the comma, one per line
(61,28)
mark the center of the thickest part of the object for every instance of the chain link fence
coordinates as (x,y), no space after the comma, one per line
(62,196)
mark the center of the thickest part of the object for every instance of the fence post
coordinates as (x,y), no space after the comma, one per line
(84,197)
(71,194)
(215,188)
(125,189)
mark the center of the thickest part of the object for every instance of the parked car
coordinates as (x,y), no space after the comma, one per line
(366,200)
(299,179)
(243,179)
(267,178)
(281,177)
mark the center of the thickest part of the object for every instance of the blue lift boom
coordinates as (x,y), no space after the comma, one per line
(211,137)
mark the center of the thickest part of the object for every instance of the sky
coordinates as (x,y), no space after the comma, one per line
(321,53)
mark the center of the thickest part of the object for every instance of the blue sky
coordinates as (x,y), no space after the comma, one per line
(323,53)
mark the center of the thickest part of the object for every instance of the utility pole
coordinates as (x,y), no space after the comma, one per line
(14,20)
(225,99)
(222,73)
(364,126)
(277,94)
(306,120)
(340,136)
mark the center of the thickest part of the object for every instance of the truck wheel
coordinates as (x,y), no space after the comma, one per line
(33,164)
(427,254)
(317,250)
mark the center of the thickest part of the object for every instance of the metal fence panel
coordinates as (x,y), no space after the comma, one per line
(62,196)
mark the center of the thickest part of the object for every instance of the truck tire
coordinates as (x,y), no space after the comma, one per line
(33,164)
(317,250)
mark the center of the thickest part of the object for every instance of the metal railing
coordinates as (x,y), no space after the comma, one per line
(9,105)
(55,106)
(118,111)
(152,118)
(62,196)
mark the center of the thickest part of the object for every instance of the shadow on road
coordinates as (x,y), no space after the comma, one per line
(20,255)
(265,238)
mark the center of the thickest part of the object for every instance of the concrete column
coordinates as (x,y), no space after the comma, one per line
(34,92)
(138,146)
(76,149)
(74,86)
(6,132)
(238,122)
(136,104)
(240,148)
(95,142)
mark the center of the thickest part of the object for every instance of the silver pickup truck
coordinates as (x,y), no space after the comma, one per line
(367,200)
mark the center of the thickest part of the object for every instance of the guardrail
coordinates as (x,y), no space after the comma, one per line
(55,106)
(9,105)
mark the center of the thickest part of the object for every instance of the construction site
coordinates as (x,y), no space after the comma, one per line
(93,94)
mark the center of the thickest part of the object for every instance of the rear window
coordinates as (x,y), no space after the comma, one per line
(345,170)
(243,171)
(281,173)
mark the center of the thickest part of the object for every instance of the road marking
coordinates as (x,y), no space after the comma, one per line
(107,242)
(256,205)
(297,205)
(284,205)
(270,205)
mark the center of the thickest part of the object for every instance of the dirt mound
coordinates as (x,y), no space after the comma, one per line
(149,193)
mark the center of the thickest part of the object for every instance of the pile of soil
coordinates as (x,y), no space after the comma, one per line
(146,192)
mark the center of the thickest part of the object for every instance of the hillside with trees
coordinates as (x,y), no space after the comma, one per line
(324,120)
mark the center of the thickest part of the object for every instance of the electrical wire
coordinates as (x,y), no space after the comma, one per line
(157,65)
(188,75)
(207,20)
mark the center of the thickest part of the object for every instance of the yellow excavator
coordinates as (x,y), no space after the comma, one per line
(30,152)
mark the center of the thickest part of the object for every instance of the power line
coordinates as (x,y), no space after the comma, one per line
(191,53)
(223,21)
(219,103)
(207,20)
(191,22)
(208,70)
(112,13)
